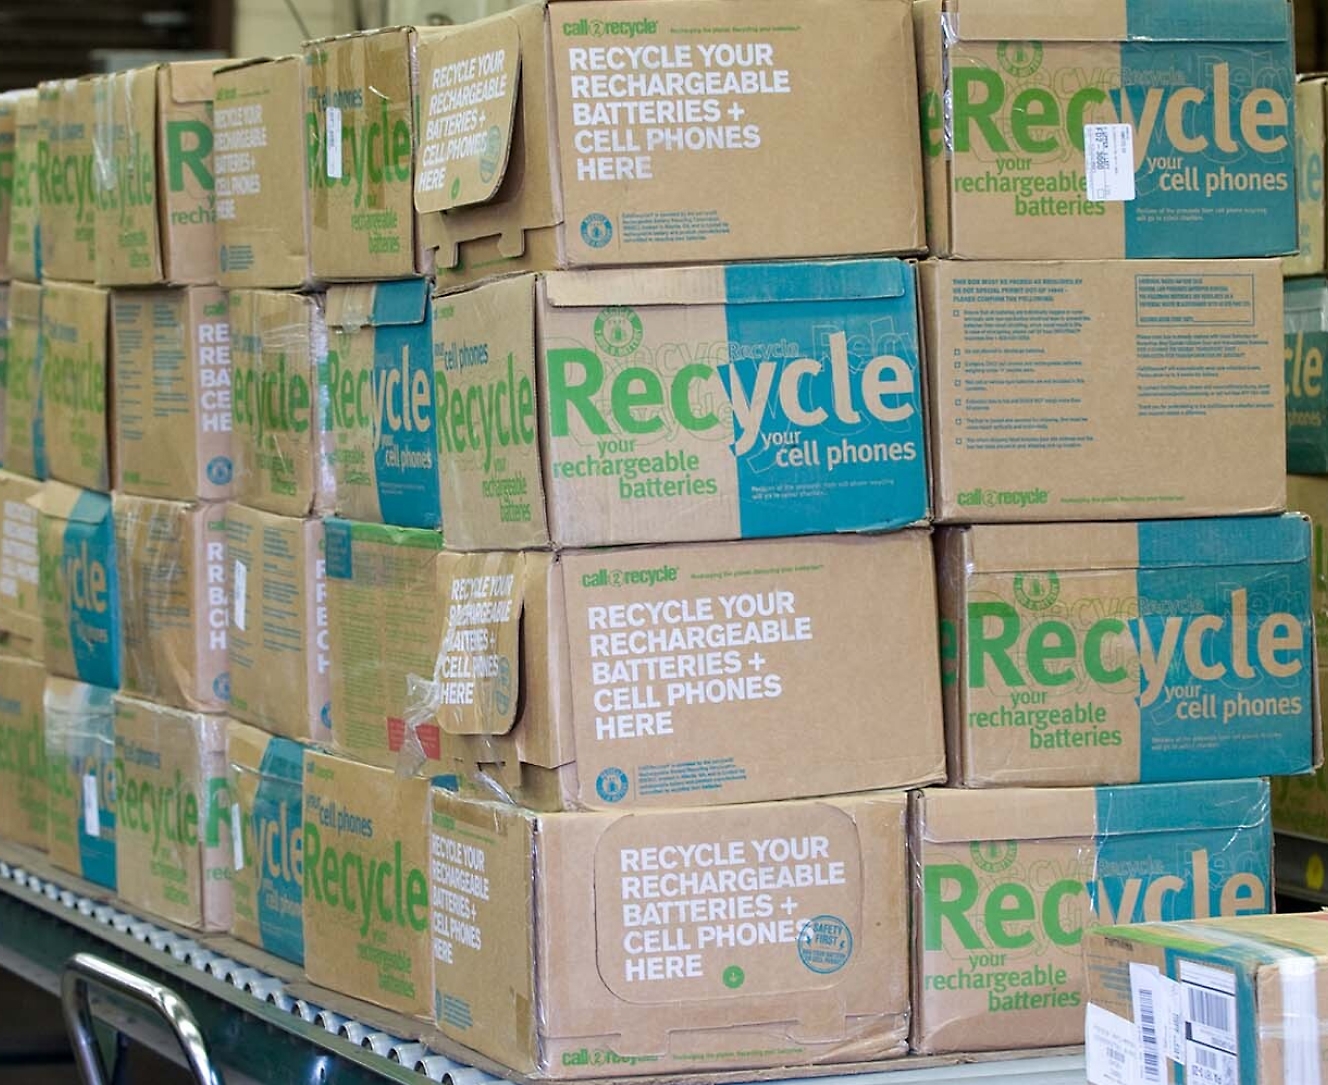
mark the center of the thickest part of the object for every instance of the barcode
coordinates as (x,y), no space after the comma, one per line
(1211,1009)
(1207,1058)
(1148,1036)
(1205,1066)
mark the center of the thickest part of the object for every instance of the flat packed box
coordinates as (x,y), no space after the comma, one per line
(267,796)
(171,359)
(20,565)
(381,403)
(23,813)
(1096,129)
(8,125)
(74,383)
(24,431)
(359,141)
(1234,1001)
(1306,339)
(1105,390)
(682,404)
(263,224)
(367,827)
(80,758)
(67,118)
(574,134)
(24,255)
(175,601)
(79,584)
(173,823)
(1128,652)
(1006,881)
(156,216)
(278,642)
(283,431)
(671,941)
(1311,126)
(664,676)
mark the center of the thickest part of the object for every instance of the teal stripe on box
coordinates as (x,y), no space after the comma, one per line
(1188,807)
(1237,540)
(831,280)
(1207,20)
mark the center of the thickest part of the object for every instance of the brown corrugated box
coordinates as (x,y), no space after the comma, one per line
(80,757)
(671,941)
(172,814)
(262,198)
(20,598)
(25,441)
(171,359)
(75,379)
(174,600)
(24,256)
(642,677)
(8,124)
(1311,127)
(587,133)
(156,219)
(1105,390)
(283,439)
(278,639)
(23,811)
(65,177)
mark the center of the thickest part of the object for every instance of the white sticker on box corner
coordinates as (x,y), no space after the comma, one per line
(91,806)
(334,142)
(1109,162)
(1112,1051)
(237,836)
(241,581)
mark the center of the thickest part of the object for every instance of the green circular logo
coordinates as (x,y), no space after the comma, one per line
(1020,58)
(993,856)
(734,977)
(1037,591)
(618,330)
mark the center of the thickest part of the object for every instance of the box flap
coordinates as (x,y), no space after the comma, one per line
(1119,20)
(357,305)
(1194,806)
(1305,295)
(1051,813)
(736,284)
(70,503)
(469,77)
(191,80)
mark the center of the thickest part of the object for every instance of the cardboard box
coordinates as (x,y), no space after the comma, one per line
(171,354)
(283,438)
(1312,259)
(668,941)
(278,639)
(1128,652)
(156,215)
(24,256)
(66,115)
(1233,1000)
(4,353)
(75,379)
(20,598)
(80,758)
(1005,882)
(25,431)
(682,404)
(80,585)
(359,126)
(22,753)
(262,198)
(1306,328)
(8,124)
(173,843)
(366,826)
(1027,151)
(579,134)
(1107,390)
(175,601)
(380,380)
(666,676)
(267,795)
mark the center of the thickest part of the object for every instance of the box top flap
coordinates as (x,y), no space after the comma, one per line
(469,79)
(1301,295)
(191,80)
(1251,540)
(253,62)
(70,503)
(735,284)
(1181,807)
(358,305)
(273,757)
(71,703)
(1034,21)
(340,533)
(1248,942)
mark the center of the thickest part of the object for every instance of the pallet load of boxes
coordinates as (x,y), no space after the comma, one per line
(638,539)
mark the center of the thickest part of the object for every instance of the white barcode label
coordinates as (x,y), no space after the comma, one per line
(1109,162)
(241,591)
(237,836)
(1212,1017)
(1112,1048)
(1208,1066)
(1158,1003)
(1145,1017)
(91,806)
(334,142)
